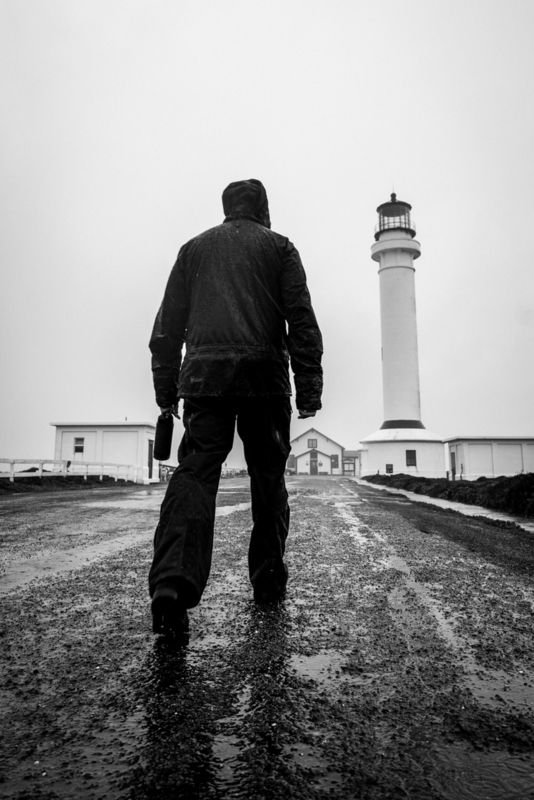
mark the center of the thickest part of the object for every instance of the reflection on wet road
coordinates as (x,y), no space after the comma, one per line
(400,665)
(25,568)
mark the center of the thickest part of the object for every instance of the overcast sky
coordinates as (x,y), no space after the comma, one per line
(123,121)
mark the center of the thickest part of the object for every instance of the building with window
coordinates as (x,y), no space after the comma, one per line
(412,451)
(130,444)
(471,457)
(313,453)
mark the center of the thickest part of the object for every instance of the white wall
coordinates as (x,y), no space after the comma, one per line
(120,447)
(508,459)
(395,251)
(66,445)
(109,444)
(430,457)
(481,459)
(492,458)
(361,463)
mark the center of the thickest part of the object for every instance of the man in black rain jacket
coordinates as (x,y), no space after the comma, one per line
(237,298)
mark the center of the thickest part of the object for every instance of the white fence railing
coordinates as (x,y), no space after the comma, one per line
(66,469)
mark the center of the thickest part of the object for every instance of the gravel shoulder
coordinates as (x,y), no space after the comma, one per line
(400,665)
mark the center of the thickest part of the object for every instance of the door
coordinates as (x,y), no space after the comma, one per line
(150,457)
(313,463)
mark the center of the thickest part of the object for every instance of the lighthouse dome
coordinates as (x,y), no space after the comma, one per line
(394,215)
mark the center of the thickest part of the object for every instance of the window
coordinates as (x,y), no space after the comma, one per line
(411,460)
(312,443)
(389,469)
(78,445)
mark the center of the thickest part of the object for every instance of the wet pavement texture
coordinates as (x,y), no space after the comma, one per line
(469,510)
(400,665)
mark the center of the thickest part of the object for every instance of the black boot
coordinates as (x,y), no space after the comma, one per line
(269,584)
(169,614)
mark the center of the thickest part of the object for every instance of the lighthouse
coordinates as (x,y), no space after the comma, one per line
(402,444)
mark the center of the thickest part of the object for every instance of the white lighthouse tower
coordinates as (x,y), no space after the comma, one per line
(402,444)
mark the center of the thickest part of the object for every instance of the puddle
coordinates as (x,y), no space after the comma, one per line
(81,496)
(153,503)
(48,565)
(51,563)
(393,501)
(224,511)
(226,750)
(321,667)
(227,746)
(498,689)
(150,502)
(469,775)
(356,499)
(327,666)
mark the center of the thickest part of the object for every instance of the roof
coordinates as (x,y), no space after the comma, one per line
(314,430)
(314,450)
(401,435)
(103,424)
(350,453)
(490,439)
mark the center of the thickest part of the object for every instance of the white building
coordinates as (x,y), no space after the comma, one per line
(402,444)
(471,457)
(313,453)
(394,450)
(130,444)
(350,462)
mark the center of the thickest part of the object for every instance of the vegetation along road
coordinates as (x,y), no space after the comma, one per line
(401,664)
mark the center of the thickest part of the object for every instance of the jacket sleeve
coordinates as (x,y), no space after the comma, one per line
(304,338)
(168,335)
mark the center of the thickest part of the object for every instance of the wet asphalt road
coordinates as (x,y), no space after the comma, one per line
(401,664)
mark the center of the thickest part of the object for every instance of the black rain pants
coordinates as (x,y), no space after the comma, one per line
(183,541)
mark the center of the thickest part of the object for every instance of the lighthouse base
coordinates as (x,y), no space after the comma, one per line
(411,451)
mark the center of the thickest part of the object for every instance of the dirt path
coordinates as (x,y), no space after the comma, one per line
(400,665)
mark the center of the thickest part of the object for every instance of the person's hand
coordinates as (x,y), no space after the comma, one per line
(303,413)
(170,411)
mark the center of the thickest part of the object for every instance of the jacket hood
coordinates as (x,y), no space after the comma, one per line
(246,199)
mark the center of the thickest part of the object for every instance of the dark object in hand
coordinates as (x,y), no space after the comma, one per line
(163,441)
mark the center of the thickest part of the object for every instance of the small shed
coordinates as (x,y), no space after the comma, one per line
(350,460)
(472,457)
(130,444)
